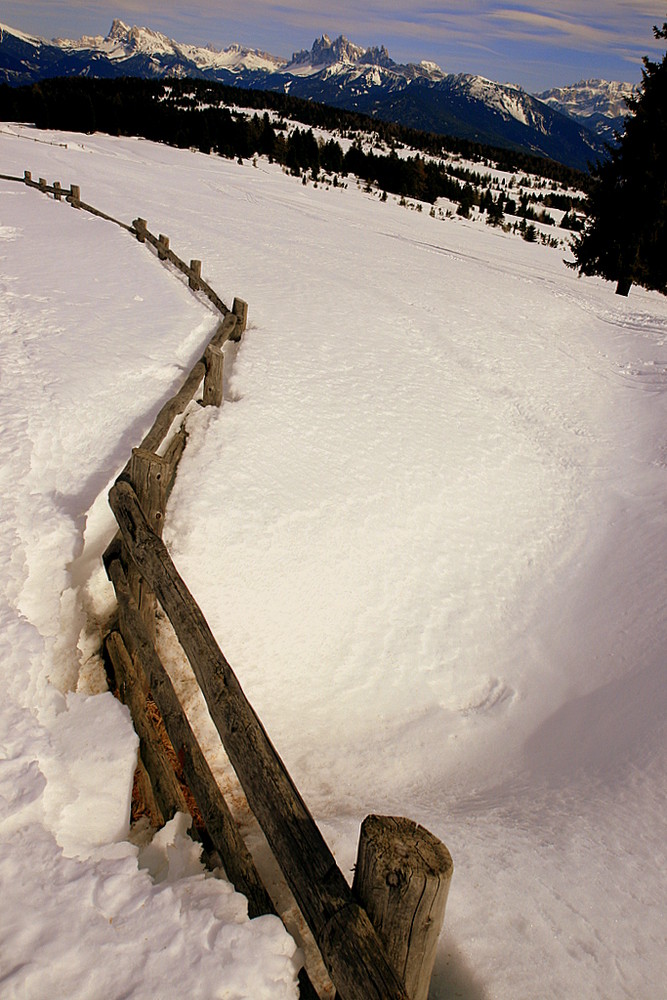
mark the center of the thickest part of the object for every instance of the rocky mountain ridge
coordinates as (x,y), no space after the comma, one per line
(335,72)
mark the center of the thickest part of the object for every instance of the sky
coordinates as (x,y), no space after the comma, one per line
(536,45)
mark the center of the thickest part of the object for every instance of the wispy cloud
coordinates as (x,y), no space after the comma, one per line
(598,24)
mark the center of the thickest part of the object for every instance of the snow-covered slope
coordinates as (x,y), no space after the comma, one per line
(427,527)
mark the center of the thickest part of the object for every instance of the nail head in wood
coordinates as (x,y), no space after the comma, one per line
(148,474)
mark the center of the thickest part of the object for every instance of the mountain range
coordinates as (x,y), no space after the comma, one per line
(567,124)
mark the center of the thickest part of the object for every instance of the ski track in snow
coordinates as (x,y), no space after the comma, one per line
(428,534)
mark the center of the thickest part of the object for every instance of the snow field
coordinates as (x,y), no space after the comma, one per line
(427,528)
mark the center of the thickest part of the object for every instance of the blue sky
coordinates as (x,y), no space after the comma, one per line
(537,45)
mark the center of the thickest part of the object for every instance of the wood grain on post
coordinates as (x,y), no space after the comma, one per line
(220,825)
(350,947)
(149,475)
(167,792)
(194,280)
(402,879)
(214,361)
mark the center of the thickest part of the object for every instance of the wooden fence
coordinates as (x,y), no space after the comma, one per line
(377,939)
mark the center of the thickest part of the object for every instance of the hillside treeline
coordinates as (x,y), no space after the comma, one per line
(200,115)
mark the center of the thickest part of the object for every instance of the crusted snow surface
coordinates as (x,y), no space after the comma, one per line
(427,528)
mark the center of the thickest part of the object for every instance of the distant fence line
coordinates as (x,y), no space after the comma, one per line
(378,939)
(138,228)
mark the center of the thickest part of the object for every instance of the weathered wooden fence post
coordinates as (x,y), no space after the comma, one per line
(75,196)
(57,190)
(42,184)
(140,226)
(195,268)
(402,879)
(149,475)
(214,361)
(240,310)
(133,691)
(27,177)
(163,246)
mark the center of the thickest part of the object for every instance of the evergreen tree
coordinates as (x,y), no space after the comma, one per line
(495,215)
(625,238)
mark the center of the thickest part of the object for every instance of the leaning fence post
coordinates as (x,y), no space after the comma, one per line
(214,361)
(195,268)
(402,879)
(240,310)
(163,246)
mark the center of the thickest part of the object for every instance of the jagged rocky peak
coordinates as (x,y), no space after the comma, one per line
(138,38)
(325,52)
(377,56)
(119,31)
(589,96)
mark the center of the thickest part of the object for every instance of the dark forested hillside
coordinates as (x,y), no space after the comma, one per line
(201,115)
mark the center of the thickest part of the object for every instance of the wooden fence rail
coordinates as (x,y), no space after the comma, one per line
(378,938)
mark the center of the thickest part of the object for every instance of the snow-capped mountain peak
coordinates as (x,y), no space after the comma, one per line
(431,68)
(598,104)
(119,30)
